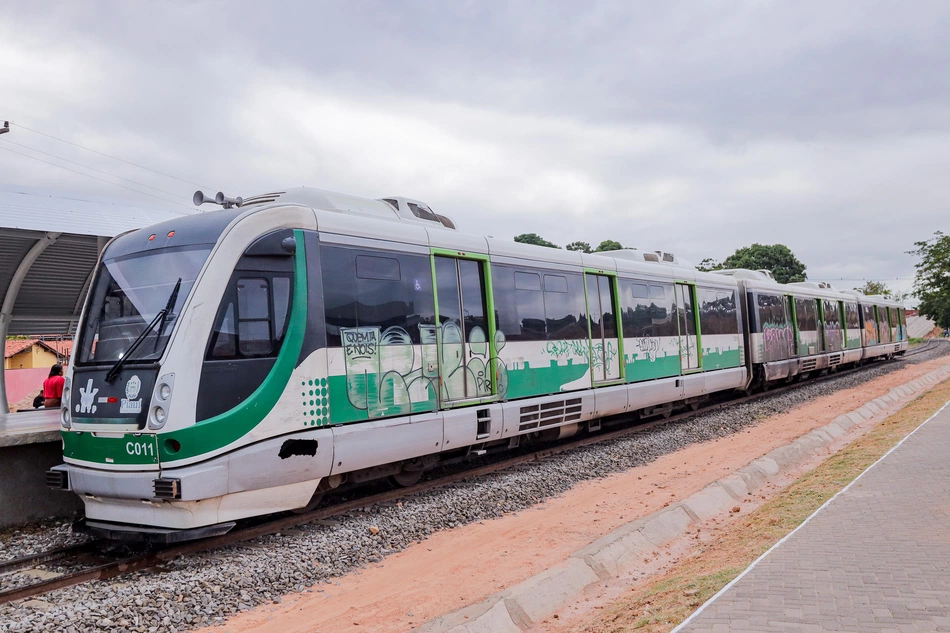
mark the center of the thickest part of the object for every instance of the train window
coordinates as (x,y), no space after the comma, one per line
(281,288)
(717,312)
(254,334)
(519,304)
(224,338)
(661,310)
(806,316)
(851,316)
(635,309)
(364,289)
(566,312)
(832,325)
(382,268)
(730,322)
(528,281)
(555,283)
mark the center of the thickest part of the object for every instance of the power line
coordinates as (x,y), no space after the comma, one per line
(76,171)
(66,160)
(128,162)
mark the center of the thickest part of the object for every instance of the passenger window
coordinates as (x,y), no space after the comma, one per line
(384,268)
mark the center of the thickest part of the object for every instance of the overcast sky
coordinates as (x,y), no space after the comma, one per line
(693,127)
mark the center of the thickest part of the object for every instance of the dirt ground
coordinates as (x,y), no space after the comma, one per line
(459,567)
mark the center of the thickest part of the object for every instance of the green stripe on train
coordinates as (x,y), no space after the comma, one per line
(226,428)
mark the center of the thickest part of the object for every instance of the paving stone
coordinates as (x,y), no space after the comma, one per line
(877,558)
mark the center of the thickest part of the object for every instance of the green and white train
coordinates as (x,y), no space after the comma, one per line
(242,362)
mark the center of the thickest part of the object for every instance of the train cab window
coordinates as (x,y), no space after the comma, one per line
(252,319)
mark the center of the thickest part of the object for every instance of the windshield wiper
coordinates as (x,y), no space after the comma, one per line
(113,372)
(168,306)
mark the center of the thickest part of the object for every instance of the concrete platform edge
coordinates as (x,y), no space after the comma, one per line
(616,553)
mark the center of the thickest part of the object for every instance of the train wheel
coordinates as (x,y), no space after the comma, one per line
(312,504)
(405,478)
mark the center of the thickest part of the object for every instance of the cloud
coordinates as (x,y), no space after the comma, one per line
(694,128)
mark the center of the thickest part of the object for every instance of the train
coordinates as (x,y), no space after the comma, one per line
(245,361)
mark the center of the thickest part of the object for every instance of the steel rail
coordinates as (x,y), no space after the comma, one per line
(153,559)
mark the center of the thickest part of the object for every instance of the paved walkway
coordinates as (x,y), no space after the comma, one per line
(877,558)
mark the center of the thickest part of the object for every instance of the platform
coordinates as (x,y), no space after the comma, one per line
(30,444)
(875,558)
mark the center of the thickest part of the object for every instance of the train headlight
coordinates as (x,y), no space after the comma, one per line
(64,416)
(161,401)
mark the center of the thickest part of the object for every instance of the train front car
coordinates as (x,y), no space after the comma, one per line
(180,386)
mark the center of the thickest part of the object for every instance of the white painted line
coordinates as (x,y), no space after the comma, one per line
(803,524)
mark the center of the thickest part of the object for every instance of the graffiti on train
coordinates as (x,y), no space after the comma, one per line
(649,346)
(387,374)
(776,340)
(583,350)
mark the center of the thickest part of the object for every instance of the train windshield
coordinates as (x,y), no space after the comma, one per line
(128,294)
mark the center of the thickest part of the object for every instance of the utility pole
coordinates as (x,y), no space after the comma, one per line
(5,128)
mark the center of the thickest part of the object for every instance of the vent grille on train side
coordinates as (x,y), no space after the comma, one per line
(550,413)
(809,364)
(834,359)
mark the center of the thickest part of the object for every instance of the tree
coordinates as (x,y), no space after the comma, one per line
(932,281)
(608,245)
(709,264)
(534,238)
(777,258)
(872,287)
(583,247)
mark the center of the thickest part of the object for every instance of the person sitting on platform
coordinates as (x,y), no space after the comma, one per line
(53,387)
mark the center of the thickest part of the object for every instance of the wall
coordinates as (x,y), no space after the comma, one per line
(22,382)
(23,492)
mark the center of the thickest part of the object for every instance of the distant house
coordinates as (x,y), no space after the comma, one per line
(31,353)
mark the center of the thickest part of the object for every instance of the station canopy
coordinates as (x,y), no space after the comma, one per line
(49,244)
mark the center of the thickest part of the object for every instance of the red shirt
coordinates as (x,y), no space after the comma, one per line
(53,387)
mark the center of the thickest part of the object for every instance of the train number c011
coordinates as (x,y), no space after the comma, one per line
(140,448)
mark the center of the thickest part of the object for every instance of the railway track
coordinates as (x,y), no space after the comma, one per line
(156,556)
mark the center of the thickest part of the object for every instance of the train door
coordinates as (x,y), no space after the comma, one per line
(686,319)
(793,310)
(604,338)
(463,332)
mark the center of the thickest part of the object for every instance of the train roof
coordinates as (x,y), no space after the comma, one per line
(763,280)
(407,221)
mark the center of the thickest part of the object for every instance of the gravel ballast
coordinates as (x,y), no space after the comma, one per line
(206,589)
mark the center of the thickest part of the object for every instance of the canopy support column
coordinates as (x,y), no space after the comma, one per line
(9,299)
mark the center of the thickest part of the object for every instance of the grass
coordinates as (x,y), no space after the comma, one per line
(672,597)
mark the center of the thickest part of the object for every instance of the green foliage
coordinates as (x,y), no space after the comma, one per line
(534,238)
(583,247)
(778,258)
(608,245)
(872,287)
(932,281)
(709,264)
